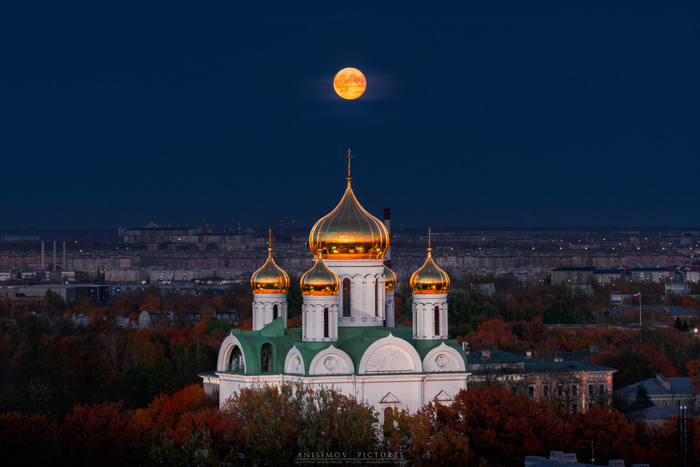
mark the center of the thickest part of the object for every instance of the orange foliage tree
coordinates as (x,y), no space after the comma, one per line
(165,410)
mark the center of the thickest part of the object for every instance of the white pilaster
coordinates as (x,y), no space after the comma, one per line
(424,316)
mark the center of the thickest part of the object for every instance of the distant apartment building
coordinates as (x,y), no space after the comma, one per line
(573,384)
(609,276)
(650,274)
(94,265)
(574,276)
(160,235)
(662,391)
(692,274)
(125,275)
(484,289)
(677,289)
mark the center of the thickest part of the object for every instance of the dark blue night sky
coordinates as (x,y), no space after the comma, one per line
(486,115)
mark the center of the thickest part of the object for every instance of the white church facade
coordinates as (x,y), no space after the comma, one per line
(348,339)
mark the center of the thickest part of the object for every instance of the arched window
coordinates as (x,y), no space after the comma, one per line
(266,358)
(346,298)
(388,412)
(325,322)
(437,320)
(275,312)
(235,362)
(376,298)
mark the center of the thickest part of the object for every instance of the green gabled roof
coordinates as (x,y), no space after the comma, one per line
(352,340)
(309,350)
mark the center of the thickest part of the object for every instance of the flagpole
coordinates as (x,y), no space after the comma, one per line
(640,310)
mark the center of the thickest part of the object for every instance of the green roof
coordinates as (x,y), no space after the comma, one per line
(519,363)
(352,340)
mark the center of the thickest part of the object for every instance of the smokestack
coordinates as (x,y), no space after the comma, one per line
(42,256)
(280,226)
(387,224)
(54,255)
(239,227)
(292,227)
(64,256)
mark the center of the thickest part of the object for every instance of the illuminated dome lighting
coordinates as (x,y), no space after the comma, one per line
(319,280)
(270,278)
(349,231)
(390,279)
(429,279)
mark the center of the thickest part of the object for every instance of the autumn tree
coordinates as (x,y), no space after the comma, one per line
(612,435)
(164,411)
(294,419)
(100,434)
(428,437)
(503,427)
(28,440)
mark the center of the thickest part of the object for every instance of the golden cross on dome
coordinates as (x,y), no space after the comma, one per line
(429,231)
(349,157)
(269,242)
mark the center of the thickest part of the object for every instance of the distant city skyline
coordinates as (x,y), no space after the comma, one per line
(508,116)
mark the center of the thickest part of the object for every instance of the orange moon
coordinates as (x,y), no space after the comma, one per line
(350,83)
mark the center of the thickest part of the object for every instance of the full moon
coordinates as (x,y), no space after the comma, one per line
(350,83)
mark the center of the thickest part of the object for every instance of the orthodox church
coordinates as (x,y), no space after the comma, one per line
(348,339)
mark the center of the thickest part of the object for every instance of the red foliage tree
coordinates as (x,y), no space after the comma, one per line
(28,440)
(504,427)
(612,434)
(101,434)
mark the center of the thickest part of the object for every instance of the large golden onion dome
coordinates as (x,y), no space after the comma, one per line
(270,278)
(429,278)
(349,232)
(319,280)
(390,279)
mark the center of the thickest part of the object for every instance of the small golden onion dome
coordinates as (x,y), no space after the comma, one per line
(270,278)
(389,279)
(319,280)
(429,278)
(349,232)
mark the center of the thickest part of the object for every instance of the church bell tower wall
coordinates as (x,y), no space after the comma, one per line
(267,307)
(320,318)
(429,316)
